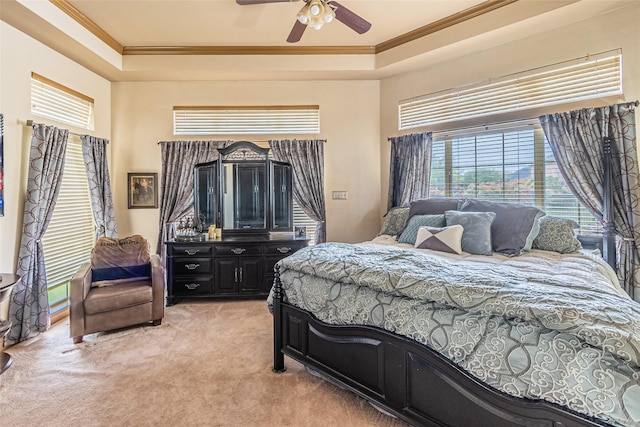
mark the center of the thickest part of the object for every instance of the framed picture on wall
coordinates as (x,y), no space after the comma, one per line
(142,190)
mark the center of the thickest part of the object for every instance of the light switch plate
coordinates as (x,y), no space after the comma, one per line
(339,195)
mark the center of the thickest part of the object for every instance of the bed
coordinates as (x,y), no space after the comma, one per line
(512,334)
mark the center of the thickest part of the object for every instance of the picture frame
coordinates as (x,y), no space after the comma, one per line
(142,190)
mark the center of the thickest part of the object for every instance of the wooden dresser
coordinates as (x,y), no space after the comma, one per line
(231,267)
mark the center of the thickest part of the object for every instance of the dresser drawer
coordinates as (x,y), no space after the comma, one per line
(240,249)
(284,248)
(190,250)
(198,285)
(191,266)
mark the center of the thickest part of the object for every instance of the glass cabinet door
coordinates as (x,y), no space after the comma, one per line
(206,193)
(281,196)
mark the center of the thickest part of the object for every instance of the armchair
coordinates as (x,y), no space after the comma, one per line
(122,286)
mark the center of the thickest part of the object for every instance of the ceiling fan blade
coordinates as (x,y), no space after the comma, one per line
(246,2)
(296,32)
(349,18)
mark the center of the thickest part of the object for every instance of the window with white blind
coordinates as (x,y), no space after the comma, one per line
(54,101)
(246,120)
(507,166)
(70,236)
(595,76)
(302,219)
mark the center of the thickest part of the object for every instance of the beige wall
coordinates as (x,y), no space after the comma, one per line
(349,117)
(618,29)
(19,56)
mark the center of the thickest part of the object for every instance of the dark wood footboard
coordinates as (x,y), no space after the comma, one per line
(403,377)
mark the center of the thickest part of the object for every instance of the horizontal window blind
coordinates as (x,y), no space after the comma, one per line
(302,219)
(588,78)
(70,236)
(56,102)
(515,166)
(219,120)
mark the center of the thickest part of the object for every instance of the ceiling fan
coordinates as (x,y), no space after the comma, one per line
(315,13)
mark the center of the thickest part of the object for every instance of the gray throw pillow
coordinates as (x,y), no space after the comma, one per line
(515,226)
(558,235)
(410,232)
(476,237)
(434,206)
(394,221)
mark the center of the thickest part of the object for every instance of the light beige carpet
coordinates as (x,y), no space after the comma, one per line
(208,364)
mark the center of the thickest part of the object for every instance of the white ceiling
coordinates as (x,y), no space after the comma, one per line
(249,42)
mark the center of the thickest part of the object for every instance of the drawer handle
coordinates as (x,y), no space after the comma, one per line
(284,250)
(192,266)
(192,286)
(191,251)
(238,251)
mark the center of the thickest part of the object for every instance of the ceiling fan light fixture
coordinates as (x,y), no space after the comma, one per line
(315,13)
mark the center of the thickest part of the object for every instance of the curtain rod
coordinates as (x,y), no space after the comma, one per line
(30,123)
(232,141)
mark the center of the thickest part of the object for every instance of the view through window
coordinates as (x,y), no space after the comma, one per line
(508,166)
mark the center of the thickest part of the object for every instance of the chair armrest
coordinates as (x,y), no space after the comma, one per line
(157,283)
(79,289)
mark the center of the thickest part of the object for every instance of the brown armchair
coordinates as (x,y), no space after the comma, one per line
(122,286)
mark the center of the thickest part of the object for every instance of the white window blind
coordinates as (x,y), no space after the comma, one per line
(588,78)
(302,219)
(220,120)
(56,102)
(70,236)
(514,166)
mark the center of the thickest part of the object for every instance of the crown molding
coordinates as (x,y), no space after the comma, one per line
(249,50)
(87,23)
(441,24)
(447,22)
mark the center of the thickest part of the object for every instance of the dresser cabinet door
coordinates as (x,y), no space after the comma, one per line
(250,274)
(226,275)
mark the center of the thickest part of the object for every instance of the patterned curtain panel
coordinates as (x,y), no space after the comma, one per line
(94,152)
(576,140)
(307,161)
(29,306)
(177,198)
(410,168)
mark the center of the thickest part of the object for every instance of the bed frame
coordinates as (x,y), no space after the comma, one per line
(407,379)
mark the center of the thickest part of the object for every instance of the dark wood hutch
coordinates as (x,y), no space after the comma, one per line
(249,197)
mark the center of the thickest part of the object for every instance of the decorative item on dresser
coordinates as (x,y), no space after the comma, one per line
(247,198)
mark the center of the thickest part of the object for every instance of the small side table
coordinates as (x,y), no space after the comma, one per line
(6,284)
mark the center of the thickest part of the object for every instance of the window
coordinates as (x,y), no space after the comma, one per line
(70,236)
(302,219)
(236,120)
(508,165)
(594,76)
(56,102)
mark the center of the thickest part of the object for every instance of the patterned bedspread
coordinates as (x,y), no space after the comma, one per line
(541,325)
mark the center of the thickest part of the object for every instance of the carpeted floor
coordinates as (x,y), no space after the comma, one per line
(208,364)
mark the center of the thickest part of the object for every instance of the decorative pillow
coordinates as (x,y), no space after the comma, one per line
(433,206)
(476,238)
(557,235)
(514,228)
(410,232)
(443,239)
(115,261)
(394,221)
